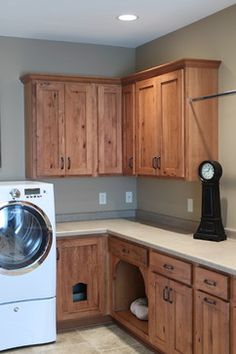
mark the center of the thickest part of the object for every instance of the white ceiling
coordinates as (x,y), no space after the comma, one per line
(94,21)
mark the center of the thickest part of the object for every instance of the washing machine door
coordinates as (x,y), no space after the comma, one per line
(25,237)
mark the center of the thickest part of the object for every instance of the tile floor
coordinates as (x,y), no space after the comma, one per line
(108,339)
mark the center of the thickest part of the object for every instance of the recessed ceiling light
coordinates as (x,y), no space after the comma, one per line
(127,17)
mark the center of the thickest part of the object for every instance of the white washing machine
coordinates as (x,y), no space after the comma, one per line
(27,264)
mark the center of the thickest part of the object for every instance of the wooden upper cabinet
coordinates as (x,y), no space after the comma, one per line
(173,134)
(109,130)
(49,129)
(61,128)
(170,108)
(128,129)
(148,138)
(160,125)
(79,128)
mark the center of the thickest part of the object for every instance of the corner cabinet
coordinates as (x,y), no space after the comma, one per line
(128,129)
(64,117)
(173,134)
(81,279)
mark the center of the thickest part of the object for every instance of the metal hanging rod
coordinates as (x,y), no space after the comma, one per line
(201,98)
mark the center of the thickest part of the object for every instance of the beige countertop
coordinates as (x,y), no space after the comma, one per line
(217,255)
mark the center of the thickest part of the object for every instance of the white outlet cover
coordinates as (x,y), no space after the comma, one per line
(129,197)
(102,198)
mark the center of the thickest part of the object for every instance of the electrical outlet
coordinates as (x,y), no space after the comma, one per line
(190,205)
(129,197)
(102,198)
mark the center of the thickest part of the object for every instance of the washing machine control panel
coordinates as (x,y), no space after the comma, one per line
(15,193)
(33,192)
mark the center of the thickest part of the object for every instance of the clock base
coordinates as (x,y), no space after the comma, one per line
(210,230)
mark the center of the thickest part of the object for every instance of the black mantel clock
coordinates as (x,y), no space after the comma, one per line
(211,227)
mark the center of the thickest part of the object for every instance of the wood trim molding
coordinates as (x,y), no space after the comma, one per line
(69,78)
(171,66)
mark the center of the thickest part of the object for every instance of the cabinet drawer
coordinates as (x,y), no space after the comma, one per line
(128,251)
(171,267)
(212,282)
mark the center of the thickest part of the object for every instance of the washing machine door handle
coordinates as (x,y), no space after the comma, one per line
(25,237)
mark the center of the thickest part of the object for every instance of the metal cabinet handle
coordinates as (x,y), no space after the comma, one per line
(210,282)
(69,163)
(130,162)
(171,296)
(158,162)
(168,266)
(165,294)
(209,301)
(58,254)
(154,162)
(62,163)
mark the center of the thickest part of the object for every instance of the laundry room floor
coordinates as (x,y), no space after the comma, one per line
(108,339)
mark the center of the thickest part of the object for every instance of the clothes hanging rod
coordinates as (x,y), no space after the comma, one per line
(201,98)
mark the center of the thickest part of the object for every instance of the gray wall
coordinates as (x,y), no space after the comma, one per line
(211,38)
(19,56)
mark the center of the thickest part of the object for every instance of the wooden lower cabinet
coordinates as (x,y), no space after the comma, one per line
(212,325)
(170,319)
(81,274)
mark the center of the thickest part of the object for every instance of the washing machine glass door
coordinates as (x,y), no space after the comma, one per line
(25,237)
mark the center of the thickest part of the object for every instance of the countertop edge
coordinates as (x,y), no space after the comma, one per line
(194,259)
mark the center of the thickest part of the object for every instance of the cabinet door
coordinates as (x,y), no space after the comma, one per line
(109,130)
(80,278)
(128,115)
(211,325)
(159,312)
(79,123)
(148,147)
(170,111)
(181,318)
(50,150)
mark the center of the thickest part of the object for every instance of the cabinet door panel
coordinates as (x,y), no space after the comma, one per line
(159,312)
(181,332)
(79,129)
(128,110)
(147,126)
(170,112)
(80,273)
(109,130)
(211,325)
(50,129)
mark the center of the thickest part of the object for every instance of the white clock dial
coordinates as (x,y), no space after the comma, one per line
(207,171)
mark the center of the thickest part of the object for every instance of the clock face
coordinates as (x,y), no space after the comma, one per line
(207,171)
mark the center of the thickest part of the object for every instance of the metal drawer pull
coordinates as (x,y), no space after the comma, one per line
(210,282)
(166,294)
(170,296)
(168,266)
(124,250)
(209,301)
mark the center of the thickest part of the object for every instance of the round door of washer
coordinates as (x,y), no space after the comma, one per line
(25,237)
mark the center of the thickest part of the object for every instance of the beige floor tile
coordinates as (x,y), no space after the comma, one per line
(129,350)
(107,337)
